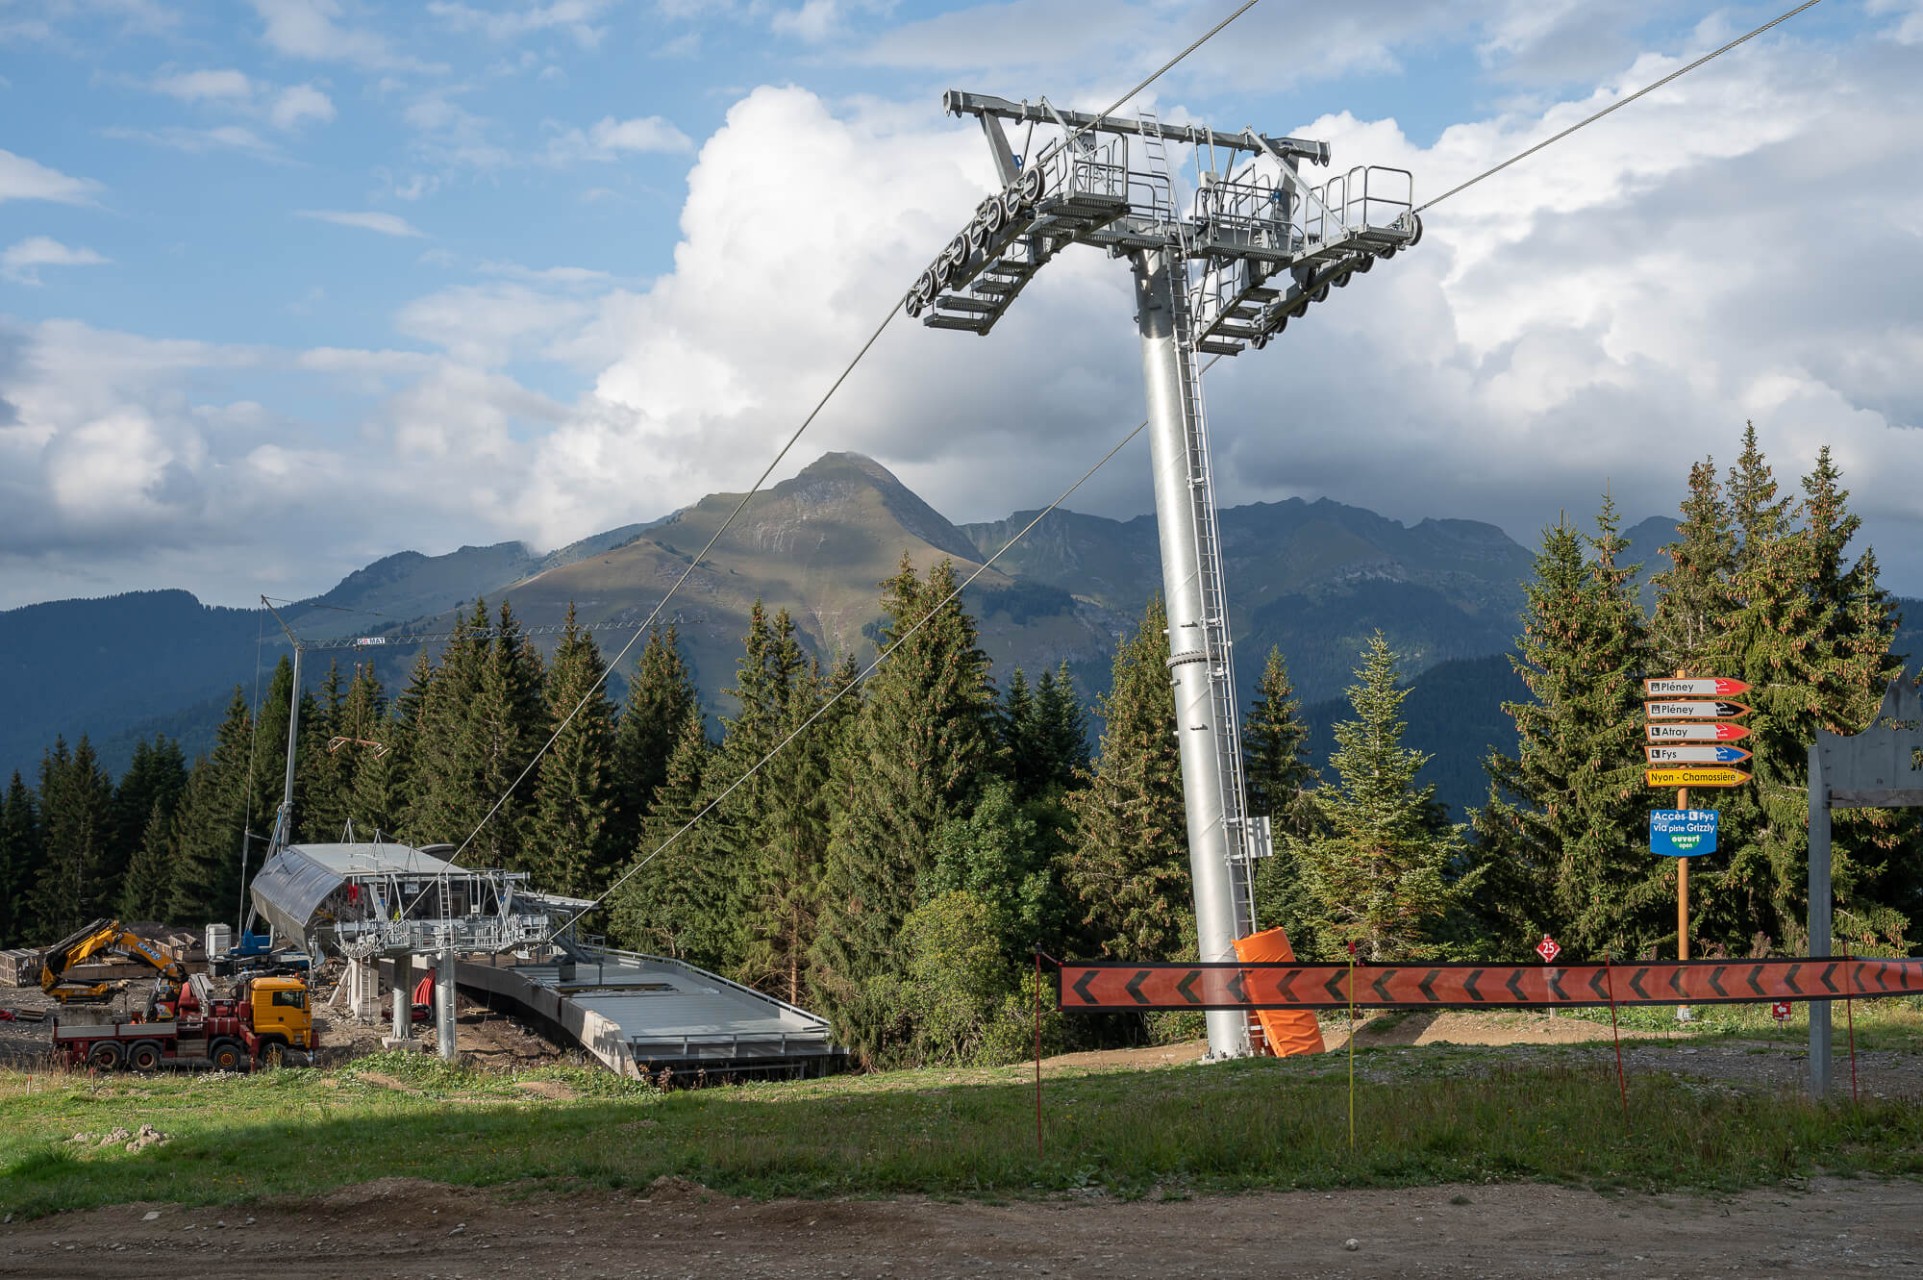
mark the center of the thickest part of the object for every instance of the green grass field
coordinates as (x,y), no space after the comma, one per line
(1422,1116)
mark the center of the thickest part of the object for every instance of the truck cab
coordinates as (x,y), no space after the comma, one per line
(279,1012)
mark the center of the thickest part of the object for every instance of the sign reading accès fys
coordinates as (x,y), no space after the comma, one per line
(1682,833)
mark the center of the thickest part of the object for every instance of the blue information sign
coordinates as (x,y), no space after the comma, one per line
(1682,833)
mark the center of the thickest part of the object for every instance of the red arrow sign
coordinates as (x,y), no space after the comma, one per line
(1694,732)
(1696,687)
(1695,710)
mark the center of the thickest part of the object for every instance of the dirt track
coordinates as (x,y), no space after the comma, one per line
(417,1231)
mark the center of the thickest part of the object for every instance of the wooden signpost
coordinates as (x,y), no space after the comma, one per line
(1689,709)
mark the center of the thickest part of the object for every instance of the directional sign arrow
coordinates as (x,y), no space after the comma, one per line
(1694,687)
(1186,987)
(1381,985)
(1660,732)
(1667,776)
(1636,983)
(1694,710)
(1134,987)
(1081,987)
(1695,755)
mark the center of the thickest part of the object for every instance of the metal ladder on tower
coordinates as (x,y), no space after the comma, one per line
(1225,718)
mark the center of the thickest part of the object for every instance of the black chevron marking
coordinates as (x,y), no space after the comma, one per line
(1381,985)
(1334,986)
(1288,983)
(1716,979)
(1636,983)
(1789,978)
(1186,987)
(1883,976)
(1596,983)
(1515,983)
(1236,988)
(1081,987)
(1555,983)
(1469,984)
(1427,985)
(1676,981)
(1134,986)
(1754,971)
(1829,978)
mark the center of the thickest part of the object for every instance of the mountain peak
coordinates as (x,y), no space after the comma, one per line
(831,479)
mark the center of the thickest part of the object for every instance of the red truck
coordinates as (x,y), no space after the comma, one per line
(266,1021)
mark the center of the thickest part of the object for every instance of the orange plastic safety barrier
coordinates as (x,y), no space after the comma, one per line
(1255,985)
(1290,1032)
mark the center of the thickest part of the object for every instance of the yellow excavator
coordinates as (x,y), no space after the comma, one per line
(104,938)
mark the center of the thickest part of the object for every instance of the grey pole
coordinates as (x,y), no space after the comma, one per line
(1175,513)
(1819,920)
(444,1002)
(403,984)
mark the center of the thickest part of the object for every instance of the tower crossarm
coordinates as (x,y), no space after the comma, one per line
(958,103)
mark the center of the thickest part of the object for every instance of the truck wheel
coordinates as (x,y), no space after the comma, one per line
(105,1054)
(272,1053)
(227,1055)
(144,1056)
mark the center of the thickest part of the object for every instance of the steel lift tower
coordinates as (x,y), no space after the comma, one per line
(1254,250)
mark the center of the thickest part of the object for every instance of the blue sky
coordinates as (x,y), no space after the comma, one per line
(291,284)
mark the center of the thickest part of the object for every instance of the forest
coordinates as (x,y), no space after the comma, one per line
(893,850)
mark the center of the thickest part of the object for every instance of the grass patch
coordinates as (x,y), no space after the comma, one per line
(1887,1023)
(1170,1133)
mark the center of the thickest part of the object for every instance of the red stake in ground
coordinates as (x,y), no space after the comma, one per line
(1548,949)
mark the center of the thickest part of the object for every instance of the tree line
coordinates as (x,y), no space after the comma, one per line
(891,851)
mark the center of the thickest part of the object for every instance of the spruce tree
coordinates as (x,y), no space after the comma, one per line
(326,770)
(660,696)
(1128,869)
(148,885)
(22,855)
(569,849)
(372,756)
(1564,830)
(505,727)
(660,907)
(211,824)
(917,754)
(1378,867)
(156,776)
(1275,765)
(78,880)
(1061,729)
(437,705)
(1695,598)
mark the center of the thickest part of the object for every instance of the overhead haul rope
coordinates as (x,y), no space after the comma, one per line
(769,469)
(1677,74)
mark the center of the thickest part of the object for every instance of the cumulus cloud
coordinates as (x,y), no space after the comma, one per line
(299,104)
(24,179)
(21,261)
(576,17)
(387,224)
(609,139)
(311,29)
(195,86)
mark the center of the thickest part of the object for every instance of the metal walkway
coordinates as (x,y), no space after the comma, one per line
(642,1015)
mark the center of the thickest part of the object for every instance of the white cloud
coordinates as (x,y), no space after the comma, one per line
(226,137)
(21,260)
(309,29)
(576,17)
(300,103)
(24,179)
(609,139)
(387,224)
(195,86)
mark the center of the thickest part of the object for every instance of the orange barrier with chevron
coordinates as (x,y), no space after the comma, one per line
(1110,986)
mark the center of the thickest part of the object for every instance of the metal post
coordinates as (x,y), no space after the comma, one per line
(403,986)
(444,1002)
(1819,920)
(1176,515)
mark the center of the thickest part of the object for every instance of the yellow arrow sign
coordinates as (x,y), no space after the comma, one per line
(1695,777)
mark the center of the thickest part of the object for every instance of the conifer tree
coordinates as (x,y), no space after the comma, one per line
(437,704)
(660,907)
(660,696)
(373,754)
(1377,867)
(268,760)
(155,776)
(1695,598)
(1061,729)
(211,824)
(568,841)
(1564,830)
(504,730)
(916,755)
(1128,869)
(148,885)
(1275,765)
(325,771)
(77,880)
(22,854)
